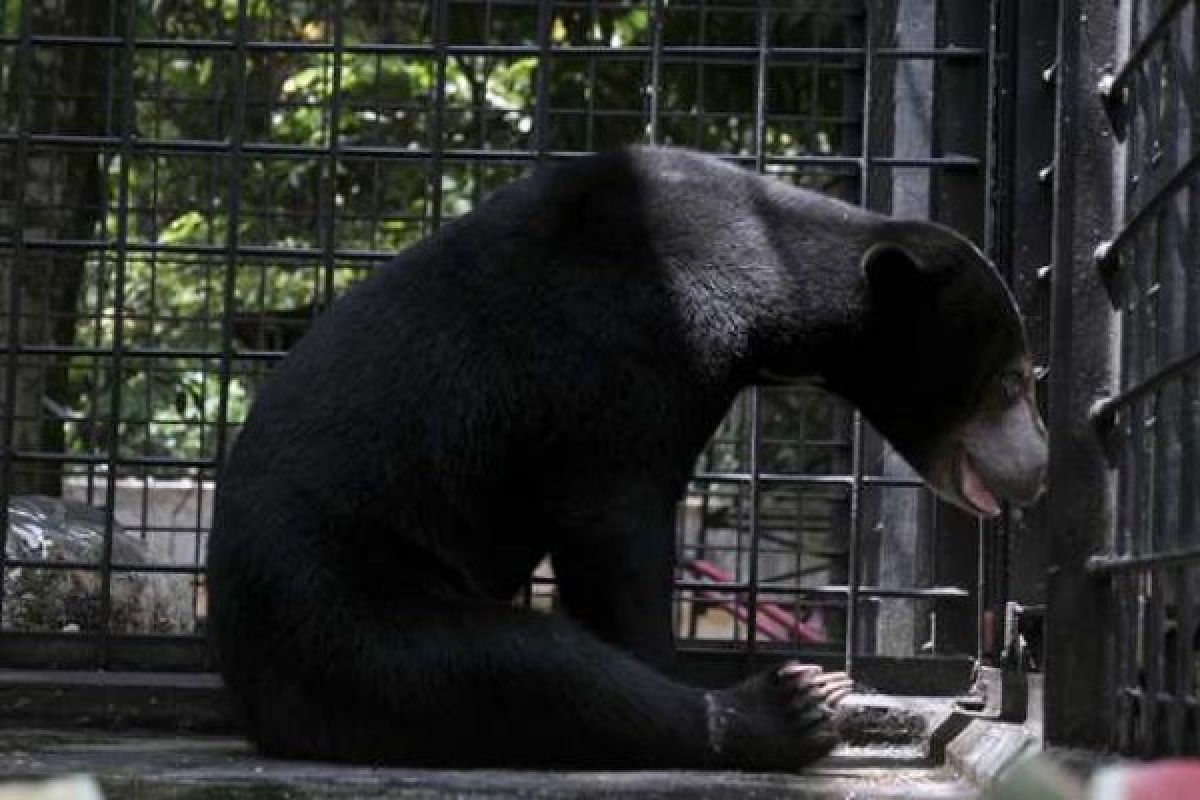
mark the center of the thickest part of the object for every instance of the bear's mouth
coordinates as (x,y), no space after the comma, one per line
(974,488)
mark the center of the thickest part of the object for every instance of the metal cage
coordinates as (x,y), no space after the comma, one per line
(189,184)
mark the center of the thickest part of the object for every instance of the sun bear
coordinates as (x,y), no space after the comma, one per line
(537,378)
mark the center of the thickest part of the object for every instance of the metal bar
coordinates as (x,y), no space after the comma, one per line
(1127,563)
(1131,358)
(700,112)
(1189,138)
(118,355)
(680,52)
(1138,328)
(997,252)
(1178,687)
(992,175)
(589,141)
(1187,48)
(1121,667)
(656,58)
(197,146)
(110,459)
(233,201)
(1103,412)
(1162,697)
(809,479)
(831,590)
(1107,252)
(141,352)
(541,103)
(754,532)
(328,223)
(441,13)
(89,636)
(928,593)
(95,566)
(21,74)
(1079,476)
(755,488)
(1152,660)
(858,427)
(1172,320)
(262,252)
(1113,86)
(760,88)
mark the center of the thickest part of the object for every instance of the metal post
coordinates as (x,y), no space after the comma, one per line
(1080,513)
(853,549)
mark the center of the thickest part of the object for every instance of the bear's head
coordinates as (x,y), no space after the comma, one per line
(940,367)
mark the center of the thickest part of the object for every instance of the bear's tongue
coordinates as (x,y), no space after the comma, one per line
(975,490)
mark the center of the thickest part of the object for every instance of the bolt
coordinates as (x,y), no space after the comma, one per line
(1050,73)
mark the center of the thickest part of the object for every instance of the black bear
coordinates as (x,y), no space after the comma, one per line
(538,378)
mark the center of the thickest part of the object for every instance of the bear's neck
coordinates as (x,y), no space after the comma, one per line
(783,320)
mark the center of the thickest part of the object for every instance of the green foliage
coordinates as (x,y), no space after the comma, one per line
(182,203)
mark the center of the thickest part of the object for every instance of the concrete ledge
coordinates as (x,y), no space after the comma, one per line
(186,764)
(198,767)
(986,749)
(983,748)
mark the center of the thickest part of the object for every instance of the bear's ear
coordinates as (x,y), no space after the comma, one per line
(892,269)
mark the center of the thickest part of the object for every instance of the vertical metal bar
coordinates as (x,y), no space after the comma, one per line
(755,527)
(1171,330)
(1181,247)
(1142,359)
(992,138)
(1179,667)
(656,23)
(1080,518)
(541,111)
(1150,303)
(1152,661)
(990,182)
(22,75)
(377,180)
(1189,93)
(589,138)
(479,77)
(760,87)
(981,529)
(755,486)
(1124,666)
(701,34)
(333,154)
(1022,236)
(859,429)
(127,132)
(233,212)
(1188,89)
(441,14)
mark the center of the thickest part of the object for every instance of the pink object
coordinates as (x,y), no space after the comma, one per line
(773,621)
(1177,779)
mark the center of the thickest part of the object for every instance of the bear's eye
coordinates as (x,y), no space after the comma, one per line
(1012,384)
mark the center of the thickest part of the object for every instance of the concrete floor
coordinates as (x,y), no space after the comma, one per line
(192,767)
(56,729)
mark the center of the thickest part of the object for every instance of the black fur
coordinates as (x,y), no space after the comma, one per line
(538,378)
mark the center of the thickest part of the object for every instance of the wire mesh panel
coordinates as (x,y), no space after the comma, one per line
(1152,423)
(189,184)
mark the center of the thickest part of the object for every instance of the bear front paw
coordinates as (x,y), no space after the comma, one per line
(782,719)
